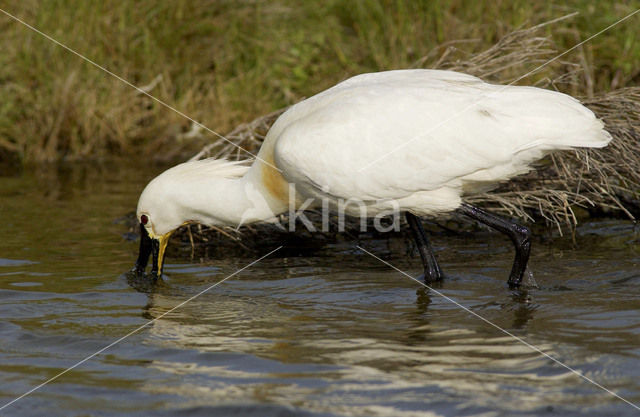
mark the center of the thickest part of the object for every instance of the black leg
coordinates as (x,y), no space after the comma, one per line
(432,270)
(519,235)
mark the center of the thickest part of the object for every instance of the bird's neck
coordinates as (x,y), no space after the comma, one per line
(237,201)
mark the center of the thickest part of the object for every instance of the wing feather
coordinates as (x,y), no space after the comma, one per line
(395,134)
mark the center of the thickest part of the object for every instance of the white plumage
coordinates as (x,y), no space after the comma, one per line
(420,139)
(444,133)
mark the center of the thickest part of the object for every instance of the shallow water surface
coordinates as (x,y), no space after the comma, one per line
(334,333)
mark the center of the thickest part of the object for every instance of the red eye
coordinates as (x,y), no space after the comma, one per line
(144,219)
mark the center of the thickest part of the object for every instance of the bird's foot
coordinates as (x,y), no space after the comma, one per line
(431,275)
(523,281)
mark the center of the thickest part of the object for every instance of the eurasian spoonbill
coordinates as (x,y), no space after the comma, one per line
(416,140)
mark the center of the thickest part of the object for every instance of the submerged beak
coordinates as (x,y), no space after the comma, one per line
(151,246)
(145,250)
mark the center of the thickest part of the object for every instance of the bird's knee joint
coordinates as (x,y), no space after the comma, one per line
(524,235)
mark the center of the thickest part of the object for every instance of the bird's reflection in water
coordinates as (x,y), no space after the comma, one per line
(524,308)
(419,332)
(423,300)
(150,285)
(520,303)
(424,321)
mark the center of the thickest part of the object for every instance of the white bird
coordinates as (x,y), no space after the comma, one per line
(417,140)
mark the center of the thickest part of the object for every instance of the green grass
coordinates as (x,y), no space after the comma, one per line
(226,62)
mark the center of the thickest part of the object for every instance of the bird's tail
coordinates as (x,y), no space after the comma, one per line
(567,124)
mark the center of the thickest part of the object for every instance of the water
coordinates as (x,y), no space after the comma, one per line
(334,333)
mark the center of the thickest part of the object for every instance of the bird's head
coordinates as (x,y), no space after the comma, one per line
(160,213)
(193,192)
